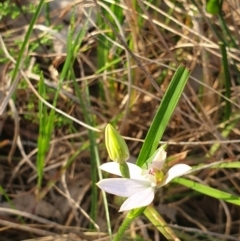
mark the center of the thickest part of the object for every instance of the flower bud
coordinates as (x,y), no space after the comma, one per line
(116,146)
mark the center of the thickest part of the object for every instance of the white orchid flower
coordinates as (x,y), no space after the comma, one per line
(140,188)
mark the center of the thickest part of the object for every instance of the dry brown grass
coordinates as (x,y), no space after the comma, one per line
(166,40)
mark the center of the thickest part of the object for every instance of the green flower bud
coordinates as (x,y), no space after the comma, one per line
(116,146)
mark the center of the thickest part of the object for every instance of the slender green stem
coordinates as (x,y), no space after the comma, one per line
(123,227)
(127,221)
(227,81)
(226,31)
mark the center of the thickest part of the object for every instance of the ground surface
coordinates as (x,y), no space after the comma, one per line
(60,210)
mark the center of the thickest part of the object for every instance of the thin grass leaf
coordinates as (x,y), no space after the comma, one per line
(94,155)
(209,191)
(216,165)
(26,39)
(106,59)
(226,32)
(227,165)
(47,121)
(43,139)
(164,113)
(227,80)
(118,11)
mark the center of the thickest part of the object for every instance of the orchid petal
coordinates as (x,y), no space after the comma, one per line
(113,168)
(123,187)
(139,199)
(175,171)
(158,159)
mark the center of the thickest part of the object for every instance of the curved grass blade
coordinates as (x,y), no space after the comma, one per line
(164,113)
(209,191)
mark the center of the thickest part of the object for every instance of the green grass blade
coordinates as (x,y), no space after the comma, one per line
(94,156)
(209,191)
(48,120)
(217,165)
(26,38)
(164,113)
(228,165)
(226,32)
(43,138)
(227,80)
(118,11)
